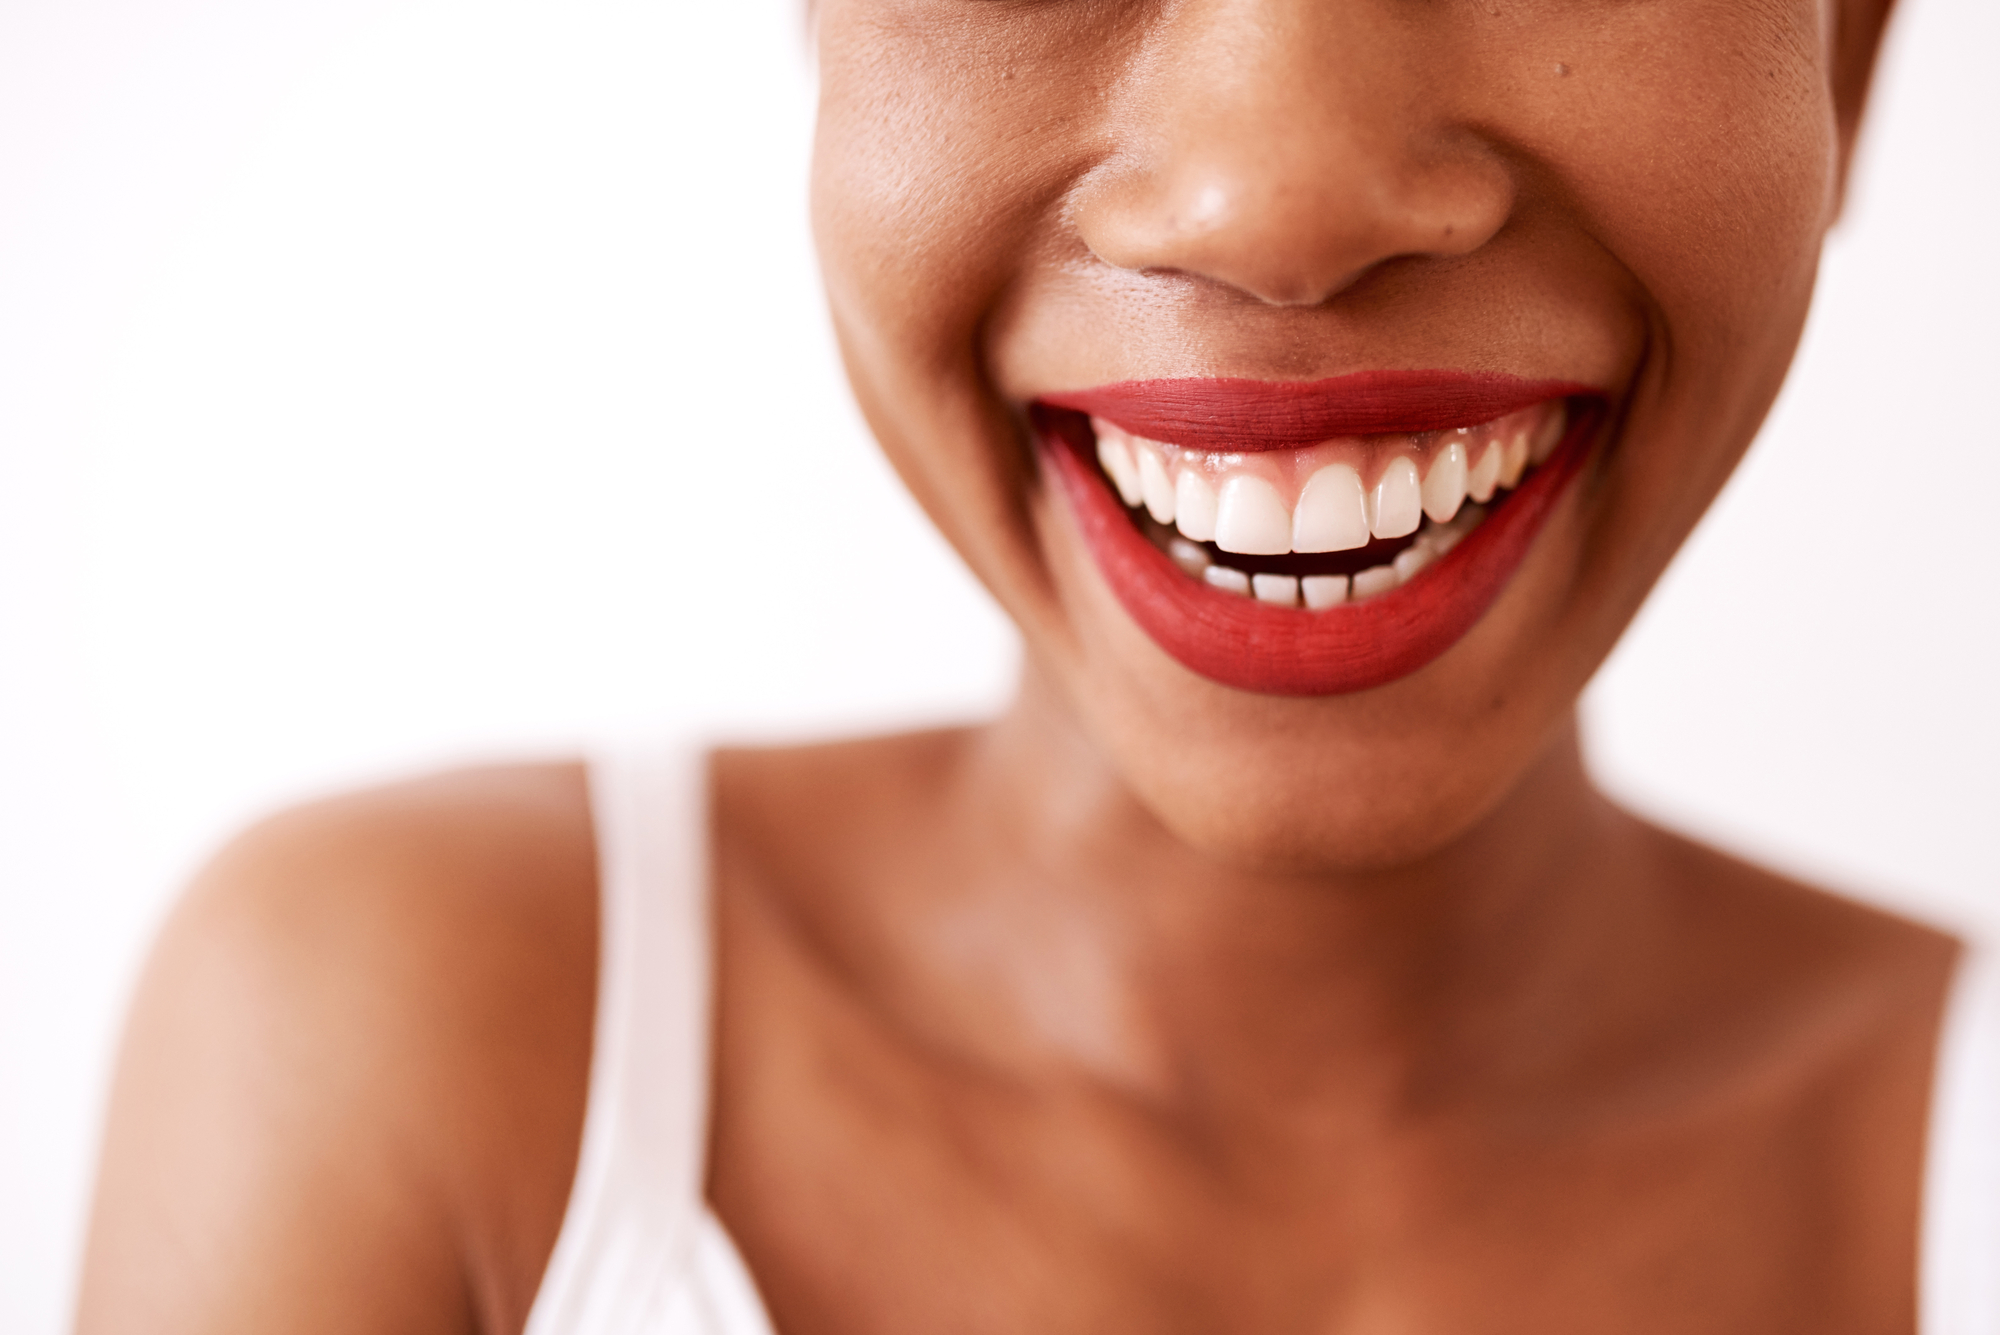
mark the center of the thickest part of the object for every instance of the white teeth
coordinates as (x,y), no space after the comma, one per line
(1444,485)
(1227,578)
(1515,461)
(1318,592)
(1412,559)
(1241,505)
(1441,538)
(1194,506)
(1324,590)
(1374,580)
(1547,437)
(1251,517)
(1485,474)
(1189,556)
(1116,455)
(1280,589)
(1332,514)
(1395,507)
(1154,485)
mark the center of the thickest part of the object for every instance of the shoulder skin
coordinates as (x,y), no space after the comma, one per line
(352,1084)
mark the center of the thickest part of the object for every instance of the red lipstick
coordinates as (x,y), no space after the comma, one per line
(1249,415)
(1253,646)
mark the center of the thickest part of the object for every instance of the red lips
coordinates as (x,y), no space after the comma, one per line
(1254,646)
(1250,415)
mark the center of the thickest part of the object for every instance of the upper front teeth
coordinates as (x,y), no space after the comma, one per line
(1332,514)
(1309,501)
(1194,506)
(1156,487)
(1444,485)
(1395,507)
(1114,452)
(1484,476)
(1250,517)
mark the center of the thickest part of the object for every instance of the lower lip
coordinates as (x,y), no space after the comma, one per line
(1253,646)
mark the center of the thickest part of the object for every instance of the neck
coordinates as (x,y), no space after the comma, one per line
(1113,945)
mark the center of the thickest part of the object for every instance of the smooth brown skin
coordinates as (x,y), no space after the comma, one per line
(1151,1006)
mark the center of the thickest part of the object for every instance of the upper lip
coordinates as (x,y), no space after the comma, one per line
(1226,414)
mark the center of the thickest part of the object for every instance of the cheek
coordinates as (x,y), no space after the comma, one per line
(1699,143)
(939,150)
(1700,150)
(939,162)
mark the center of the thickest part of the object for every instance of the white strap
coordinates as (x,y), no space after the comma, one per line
(630,1227)
(1960,1269)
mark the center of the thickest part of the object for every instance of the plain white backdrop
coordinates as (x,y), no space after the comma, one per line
(389,383)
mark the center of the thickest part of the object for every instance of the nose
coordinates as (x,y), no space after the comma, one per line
(1286,148)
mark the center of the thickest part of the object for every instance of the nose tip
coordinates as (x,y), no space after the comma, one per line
(1292,232)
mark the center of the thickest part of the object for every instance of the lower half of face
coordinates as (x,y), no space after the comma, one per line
(1321,387)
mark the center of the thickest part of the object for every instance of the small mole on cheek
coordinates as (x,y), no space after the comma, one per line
(1562,70)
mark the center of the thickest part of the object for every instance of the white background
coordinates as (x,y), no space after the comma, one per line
(385,384)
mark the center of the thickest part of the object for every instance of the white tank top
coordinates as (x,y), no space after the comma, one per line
(640,1253)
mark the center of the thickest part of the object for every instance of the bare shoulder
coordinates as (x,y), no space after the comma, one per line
(354,1074)
(1827,1012)
(1767,924)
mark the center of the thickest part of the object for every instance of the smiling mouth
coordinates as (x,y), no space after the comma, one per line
(1314,538)
(1338,521)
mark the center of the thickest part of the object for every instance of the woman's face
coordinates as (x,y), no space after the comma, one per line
(1596,221)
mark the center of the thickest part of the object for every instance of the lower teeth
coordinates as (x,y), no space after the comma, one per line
(1317,591)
